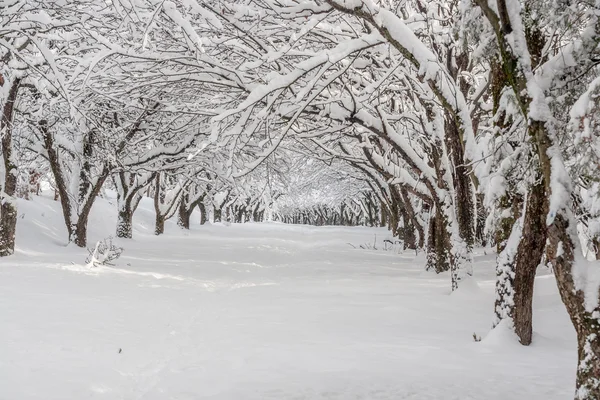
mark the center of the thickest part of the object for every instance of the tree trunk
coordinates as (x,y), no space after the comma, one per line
(8,225)
(183,214)
(508,235)
(437,247)
(480,222)
(159,222)
(125,222)
(561,255)
(463,186)
(529,256)
(383,215)
(411,215)
(217,214)
(203,218)
(408,231)
(8,209)
(159,225)
(81,232)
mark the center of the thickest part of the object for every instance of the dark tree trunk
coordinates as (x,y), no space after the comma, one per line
(561,255)
(8,225)
(240,215)
(80,232)
(217,212)
(59,179)
(8,210)
(481,218)
(202,208)
(412,217)
(86,207)
(159,225)
(256,218)
(463,186)
(437,243)
(129,187)
(383,214)
(184,214)
(510,229)
(159,221)
(408,231)
(529,256)
(125,223)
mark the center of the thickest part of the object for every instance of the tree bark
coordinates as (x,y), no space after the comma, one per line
(437,244)
(8,209)
(411,215)
(203,217)
(159,224)
(561,255)
(217,214)
(125,223)
(463,187)
(529,256)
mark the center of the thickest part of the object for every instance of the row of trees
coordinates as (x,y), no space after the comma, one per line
(457,123)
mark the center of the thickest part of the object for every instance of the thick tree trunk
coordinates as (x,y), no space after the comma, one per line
(507,236)
(561,255)
(437,247)
(125,222)
(8,209)
(159,225)
(411,215)
(183,214)
(529,256)
(203,217)
(8,226)
(463,187)
(240,215)
(81,232)
(217,213)
(408,231)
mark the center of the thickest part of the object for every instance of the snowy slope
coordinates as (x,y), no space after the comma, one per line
(258,311)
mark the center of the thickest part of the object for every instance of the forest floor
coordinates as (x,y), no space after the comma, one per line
(260,311)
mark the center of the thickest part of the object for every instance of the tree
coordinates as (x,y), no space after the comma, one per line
(550,212)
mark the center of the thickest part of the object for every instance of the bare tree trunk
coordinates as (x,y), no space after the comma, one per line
(8,225)
(408,231)
(125,222)
(437,243)
(203,217)
(561,254)
(217,214)
(184,213)
(463,186)
(8,209)
(159,224)
(480,236)
(383,214)
(411,215)
(529,256)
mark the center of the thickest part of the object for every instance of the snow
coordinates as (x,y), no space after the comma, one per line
(259,311)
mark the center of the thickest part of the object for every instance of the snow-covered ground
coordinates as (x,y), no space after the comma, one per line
(259,311)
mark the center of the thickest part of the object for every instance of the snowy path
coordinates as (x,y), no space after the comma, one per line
(262,311)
